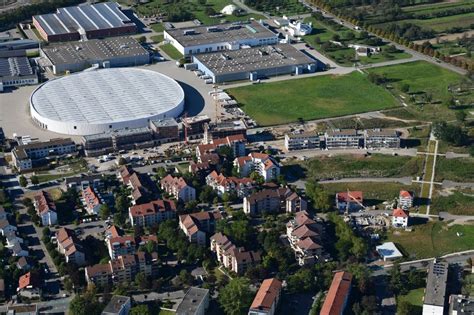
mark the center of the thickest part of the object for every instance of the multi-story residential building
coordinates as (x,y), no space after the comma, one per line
(267,298)
(405,199)
(165,130)
(224,129)
(194,302)
(197,226)
(194,126)
(343,139)
(304,236)
(338,294)
(82,182)
(45,208)
(118,305)
(349,201)
(381,138)
(70,247)
(234,258)
(461,305)
(302,141)
(122,269)
(221,184)
(261,163)
(435,293)
(26,157)
(142,187)
(120,245)
(236,143)
(151,213)
(91,200)
(279,200)
(178,188)
(400,218)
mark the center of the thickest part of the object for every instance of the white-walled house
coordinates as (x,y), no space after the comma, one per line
(400,218)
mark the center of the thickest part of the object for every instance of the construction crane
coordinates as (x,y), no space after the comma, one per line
(355,199)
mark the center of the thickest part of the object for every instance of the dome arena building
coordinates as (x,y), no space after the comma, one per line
(96,101)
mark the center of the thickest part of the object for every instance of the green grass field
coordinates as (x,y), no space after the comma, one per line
(311,98)
(157,38)
(456,203)
(172,52)
(414,297)
(458,170)
(438,6)
(158,27)
(351,166)
(433,239)
(424,78)
(443,24)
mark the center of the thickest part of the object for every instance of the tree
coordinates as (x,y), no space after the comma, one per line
(141,309)
(461,116)
(207,194)
(68,285)
(320,197)
(23,181)
(451,133)
(336,37)
(104,211)
(34,180)
(405,88)
(396,283)
(236,297)
(122,161)
(255,176)
(405,308)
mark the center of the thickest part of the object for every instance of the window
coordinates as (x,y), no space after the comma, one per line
(75,127)
(110,126)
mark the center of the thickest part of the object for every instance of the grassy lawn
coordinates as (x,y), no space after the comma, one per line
(158,27)
(290,7)
(48,177)
(157,38)
(172,52)
(374,193)
(457,203)
(166,312)
(382,57)
(433,239)
(317,97)
(458,170)
(183,167)
(423,78)
(346,166)
(425,187)
(414,297)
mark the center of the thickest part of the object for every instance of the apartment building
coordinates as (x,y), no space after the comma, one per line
(343,139)
(400,218)
(302,141)
(165,130)
(222,184)
(70,247)
(26,157)
(381,138)
(194,126)
(142,186)
(195,302)
(276,200)
(405,199)
(349,201)
(45,208)
(197,226)
(151,213)
(122,269)
(224,129)
(178,188)
(91,200)
(434,301)
(338,294)
(235,142)
(267,298)
(118,305)
(120,246)
(261,163)
(304,235)
(234,258)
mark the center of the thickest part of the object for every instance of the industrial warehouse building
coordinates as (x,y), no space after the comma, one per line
(254,63)
(105,53)
(105,100)
(203,39)
(85,21)
(15,69)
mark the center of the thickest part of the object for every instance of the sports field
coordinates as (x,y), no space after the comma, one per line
(311,98)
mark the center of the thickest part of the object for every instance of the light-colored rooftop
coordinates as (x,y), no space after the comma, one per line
(107,96)
(389,251)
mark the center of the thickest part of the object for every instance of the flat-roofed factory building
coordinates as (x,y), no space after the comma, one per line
(90,21)
(204,39)
(106,53)
(254,63)
(16,70)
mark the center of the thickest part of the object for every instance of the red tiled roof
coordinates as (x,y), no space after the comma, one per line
(28,279)
(44,202)
(267,294)
(405,194)
(350,196)
(153,207)
(337,294)
(175,182)
(400,213)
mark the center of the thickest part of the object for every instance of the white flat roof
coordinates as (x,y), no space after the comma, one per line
(107,96)
(389,251)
